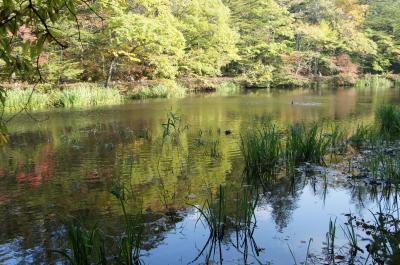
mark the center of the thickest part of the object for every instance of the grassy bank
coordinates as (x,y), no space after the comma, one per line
(83,95)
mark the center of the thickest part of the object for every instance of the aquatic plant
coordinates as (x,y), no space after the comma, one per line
(166,90)
(337,138)
(29,99)
(384,166)
(83,95)
(245,222)
(330,239)
(307,254)
(388,120)
(305,144)
(361,136)
(227,89)
(173,127)
(130,243)
(349,231)
(86,95)
(214,213)
(85,246)
(262,149)
(374,81)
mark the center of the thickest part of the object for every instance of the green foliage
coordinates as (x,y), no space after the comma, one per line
(265,30)
(150,41)
(262,42)
(210,39)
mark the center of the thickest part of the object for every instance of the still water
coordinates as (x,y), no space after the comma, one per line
(63,164)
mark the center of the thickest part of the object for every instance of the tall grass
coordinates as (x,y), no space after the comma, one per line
(159,91)
(130,243)
(227,89)
(388,120)
(374,81)
(84,95)
(383,166)
(18,99)
(261,149)
(330,239)
(214,213)
(306,144)
(85,246)
(361,136)
(349,231)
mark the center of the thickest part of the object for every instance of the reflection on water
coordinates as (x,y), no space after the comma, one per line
(66,165)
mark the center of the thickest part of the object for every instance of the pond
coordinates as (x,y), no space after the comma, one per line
(63,164)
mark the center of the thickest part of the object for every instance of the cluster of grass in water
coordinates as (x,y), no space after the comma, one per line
(85,95)
(163,90)
(267,149)
(228,89)
(88,246)
(374,81)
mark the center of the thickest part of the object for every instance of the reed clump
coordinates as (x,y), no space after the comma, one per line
(374,81)
(306,144)
(261,149)
(83,95)
(163,90)
(388,120)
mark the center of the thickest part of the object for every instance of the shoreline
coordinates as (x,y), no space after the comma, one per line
(48,96)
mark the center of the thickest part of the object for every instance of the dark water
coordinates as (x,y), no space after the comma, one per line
(65,164)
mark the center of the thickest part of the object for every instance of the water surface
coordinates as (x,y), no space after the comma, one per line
(64,163)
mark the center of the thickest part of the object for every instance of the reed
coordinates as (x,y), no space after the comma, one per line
(374,81)
(262,150)
(83,95)
(388,120)
(227,89)
(168,90)
(330,238)
(306,144)
(214,213)
(130,243)
(349,231)
(85,246)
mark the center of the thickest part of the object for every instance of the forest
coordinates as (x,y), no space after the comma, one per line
(259,43)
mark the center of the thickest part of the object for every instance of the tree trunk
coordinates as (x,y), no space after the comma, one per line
(110,71)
